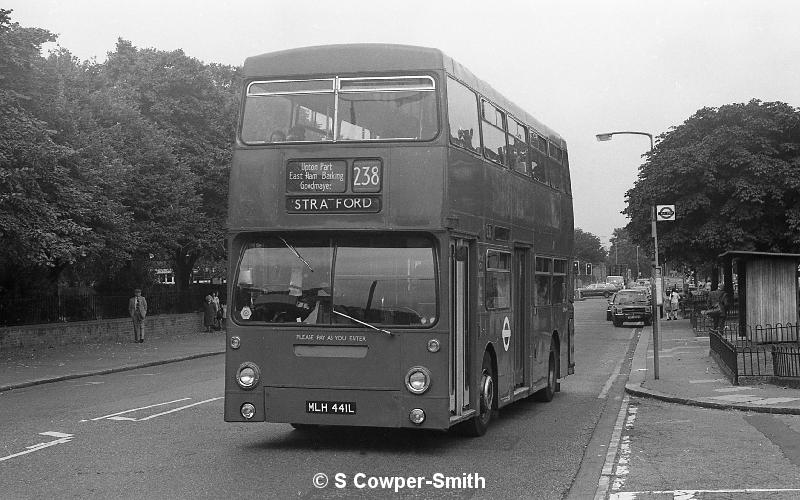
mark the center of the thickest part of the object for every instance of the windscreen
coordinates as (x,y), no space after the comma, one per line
(630,297)
(340,109)
(384,280)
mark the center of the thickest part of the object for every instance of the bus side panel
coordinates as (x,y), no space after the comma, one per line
(413,192)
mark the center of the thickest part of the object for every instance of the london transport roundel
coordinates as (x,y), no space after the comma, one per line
(506,333)
(665,212)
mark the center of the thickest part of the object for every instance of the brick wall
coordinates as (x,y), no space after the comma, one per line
(88,332)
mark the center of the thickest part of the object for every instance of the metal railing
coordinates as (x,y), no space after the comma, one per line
(761,351)
(15,311)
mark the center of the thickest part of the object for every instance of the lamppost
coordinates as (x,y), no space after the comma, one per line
(607,137)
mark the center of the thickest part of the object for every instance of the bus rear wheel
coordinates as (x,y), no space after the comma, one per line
(477,425)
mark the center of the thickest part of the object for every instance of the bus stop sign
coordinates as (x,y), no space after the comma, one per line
(665,212)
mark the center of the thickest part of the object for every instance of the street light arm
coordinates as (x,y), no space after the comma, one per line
(607,136)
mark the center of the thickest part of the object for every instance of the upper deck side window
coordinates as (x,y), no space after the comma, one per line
(555,174)
(340,109)
(518,146)
(462,114)
(539,158)
(493,133)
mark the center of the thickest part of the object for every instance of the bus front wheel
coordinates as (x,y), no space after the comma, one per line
(477,425)
(550,389)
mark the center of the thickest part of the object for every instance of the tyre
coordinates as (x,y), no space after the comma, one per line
(546,394)
(477,425)
(617,322)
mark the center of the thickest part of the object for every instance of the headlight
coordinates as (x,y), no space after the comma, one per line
(433,345)
(418,379)
(247,376)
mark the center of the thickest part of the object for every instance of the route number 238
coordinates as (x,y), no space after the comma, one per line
(367,176)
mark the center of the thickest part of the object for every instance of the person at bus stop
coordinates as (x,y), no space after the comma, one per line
(674,299)
(718,310)
(277,136)
(217,308)
(209,313)
(137,308)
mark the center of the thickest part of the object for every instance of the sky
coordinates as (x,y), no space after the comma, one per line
(582,67)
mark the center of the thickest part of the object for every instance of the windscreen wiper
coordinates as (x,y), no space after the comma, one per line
(296,253)
(362,322)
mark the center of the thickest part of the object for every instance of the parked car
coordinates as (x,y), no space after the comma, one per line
(597,290)
(631,305)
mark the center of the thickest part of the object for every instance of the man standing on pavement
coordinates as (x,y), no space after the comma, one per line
(137,308)
(674,299)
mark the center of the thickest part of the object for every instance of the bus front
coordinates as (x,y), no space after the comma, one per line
(334,240)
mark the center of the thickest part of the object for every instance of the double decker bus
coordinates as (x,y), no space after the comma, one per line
(399,240)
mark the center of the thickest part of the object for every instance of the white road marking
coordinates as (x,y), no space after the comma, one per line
(608,468)
(177,409)
(62,439)
(708,381)
(691,494)
(56,434)
(604,392)
(135,409)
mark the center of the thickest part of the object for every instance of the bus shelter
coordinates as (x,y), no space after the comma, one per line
(766,286)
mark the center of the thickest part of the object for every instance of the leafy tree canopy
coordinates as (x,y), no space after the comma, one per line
(734,175)
(105,166)
(588,247)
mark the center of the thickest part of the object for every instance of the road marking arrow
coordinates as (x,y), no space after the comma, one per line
(62,439)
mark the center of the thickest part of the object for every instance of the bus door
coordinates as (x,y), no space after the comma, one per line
(459,319)
(520,335)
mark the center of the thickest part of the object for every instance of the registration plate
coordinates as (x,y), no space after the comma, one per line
(331,407)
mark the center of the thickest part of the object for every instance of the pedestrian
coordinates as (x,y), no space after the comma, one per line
(209,313)
(667,305)
(137,308)
(674,300)
(718,310)
(217,309)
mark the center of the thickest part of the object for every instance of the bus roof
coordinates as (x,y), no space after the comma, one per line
(379,58)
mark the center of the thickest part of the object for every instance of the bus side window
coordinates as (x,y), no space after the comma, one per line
(555,166)
(494,135)
(517,146)
(539,144)
(462,112)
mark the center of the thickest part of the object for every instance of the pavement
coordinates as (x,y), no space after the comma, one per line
(33,366)
(687,373)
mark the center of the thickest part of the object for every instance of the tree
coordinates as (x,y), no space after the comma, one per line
(47,211)
(188,114)
(624,255)
(588,247)
(734,175)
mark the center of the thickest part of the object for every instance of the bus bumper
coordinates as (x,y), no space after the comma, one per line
(347,407)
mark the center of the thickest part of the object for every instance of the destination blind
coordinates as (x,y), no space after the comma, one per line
(321,186)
